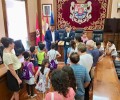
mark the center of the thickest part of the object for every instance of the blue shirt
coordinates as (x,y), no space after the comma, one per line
(96,54)
(82,76)
(35,62)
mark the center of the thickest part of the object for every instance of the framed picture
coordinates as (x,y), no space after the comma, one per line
(47,9)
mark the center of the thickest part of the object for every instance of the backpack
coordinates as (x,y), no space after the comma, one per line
(25,72)
(53,64)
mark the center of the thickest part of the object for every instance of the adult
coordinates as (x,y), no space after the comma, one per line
(13,64)
(52,36)
(67,37)
(61,90)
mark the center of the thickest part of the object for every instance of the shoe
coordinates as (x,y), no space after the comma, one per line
(34,96)
(28,95)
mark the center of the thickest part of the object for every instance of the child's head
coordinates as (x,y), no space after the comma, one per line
(41,46)
(74,58)
(90,44)
(60,81)
(32,49)
(81,48)
(45,62)
(71,76)
(53,46)
(78,38)
(110,42)
(98,44)
(26,55)
(73,44)
(84,35)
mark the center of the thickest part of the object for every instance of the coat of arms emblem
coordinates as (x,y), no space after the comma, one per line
(80,13)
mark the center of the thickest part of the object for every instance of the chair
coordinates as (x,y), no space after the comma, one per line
(98,35)
(79,32)
(61,32)
(19,48)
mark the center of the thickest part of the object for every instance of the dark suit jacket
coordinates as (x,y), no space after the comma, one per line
(48,39)
(68,39)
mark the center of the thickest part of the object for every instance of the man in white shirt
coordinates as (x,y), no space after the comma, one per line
(52,36)
(67,37)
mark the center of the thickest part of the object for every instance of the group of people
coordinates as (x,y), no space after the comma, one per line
(69,83)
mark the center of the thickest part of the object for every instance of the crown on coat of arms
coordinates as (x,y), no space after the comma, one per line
(80,1)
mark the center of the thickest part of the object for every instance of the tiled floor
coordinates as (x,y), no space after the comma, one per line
(23,93)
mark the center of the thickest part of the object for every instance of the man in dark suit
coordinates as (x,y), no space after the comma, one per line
(67,37)
(51,36)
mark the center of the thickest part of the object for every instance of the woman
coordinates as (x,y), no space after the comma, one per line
(60,84)
(10,60)
(71,76)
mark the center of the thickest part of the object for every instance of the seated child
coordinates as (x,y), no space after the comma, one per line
(111,49)
(84,37)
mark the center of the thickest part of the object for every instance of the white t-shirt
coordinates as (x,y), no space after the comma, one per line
(52,55)
(53,36)
(86,60)
(114,52)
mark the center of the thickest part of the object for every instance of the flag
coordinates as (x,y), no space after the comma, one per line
(52,19)
(37,30)
(43,28)
(47,24)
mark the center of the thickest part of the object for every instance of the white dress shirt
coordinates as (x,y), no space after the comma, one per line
(53,37)
(67,43)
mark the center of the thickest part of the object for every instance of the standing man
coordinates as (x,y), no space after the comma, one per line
(52,36)
(67,37)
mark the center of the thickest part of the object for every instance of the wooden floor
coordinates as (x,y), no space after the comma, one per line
(23,93)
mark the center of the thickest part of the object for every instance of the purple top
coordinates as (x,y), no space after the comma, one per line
(29,65)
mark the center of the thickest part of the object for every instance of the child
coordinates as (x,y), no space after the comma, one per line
(99,47)
(81,75)
(34,57)
(71,49)
(84,37)
(29,83)
(111,49)
(53,54)
(41,54)
(43,72)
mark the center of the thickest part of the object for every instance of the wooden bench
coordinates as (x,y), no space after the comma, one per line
(106,85)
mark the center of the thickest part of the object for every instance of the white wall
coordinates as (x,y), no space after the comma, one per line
(2,28)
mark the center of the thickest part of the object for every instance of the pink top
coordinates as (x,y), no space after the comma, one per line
(84,39)
(57,96)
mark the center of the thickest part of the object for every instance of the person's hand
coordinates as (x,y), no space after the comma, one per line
(19,81)
(56,41)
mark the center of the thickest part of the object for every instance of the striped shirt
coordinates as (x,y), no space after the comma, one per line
(82,76)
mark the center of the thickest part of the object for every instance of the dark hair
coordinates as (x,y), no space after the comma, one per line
(67,26)
(74,57)
(82,47)
(73,44)
(32,49)
(6,41)
(26,55)
(78,37)
(41,46)
(60,82)
(44,62)
(53,46)
(71,76)
(98,43)
(111,41)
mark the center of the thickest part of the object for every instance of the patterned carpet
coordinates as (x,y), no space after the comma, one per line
(23,93)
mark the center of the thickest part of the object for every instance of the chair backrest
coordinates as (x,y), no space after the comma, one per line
(61,32)
(79,31)
(19,48)
(98,35)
